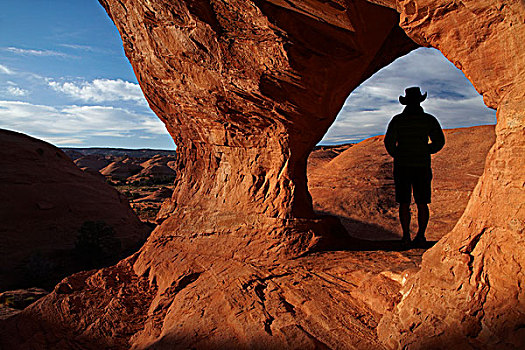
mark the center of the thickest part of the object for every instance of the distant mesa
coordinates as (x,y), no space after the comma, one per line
(92,161)
(146,177)
(125,165)
(121,169)
(75,153)
(158,167)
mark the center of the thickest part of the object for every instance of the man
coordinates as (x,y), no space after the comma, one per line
(407,141)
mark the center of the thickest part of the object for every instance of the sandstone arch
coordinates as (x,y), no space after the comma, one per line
(247,88)
(235,83)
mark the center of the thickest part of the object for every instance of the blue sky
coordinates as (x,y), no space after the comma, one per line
(64,79)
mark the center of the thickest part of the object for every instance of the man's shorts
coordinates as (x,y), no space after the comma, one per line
(417,179)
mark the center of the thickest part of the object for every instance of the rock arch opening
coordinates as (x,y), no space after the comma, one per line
(246,104)
(247,99)
(356,184)
(247,88)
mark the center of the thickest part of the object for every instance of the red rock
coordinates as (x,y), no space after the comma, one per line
(92,161)
(6,312)
(21,298)
(44,199)
(156,168)
(121,169)
(158,196)
(247,89)
(473,270)
(357,185)
(324,154)
(216,303)
(253,108)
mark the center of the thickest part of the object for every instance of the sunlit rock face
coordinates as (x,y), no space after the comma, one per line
(246,89)
(469,291)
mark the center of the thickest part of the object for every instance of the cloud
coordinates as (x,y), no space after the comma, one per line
(16,91)
(13,90)
(100,90)
(451,98)
(65,140)
(33,52)
(79,47)
(5,70)
(76,123)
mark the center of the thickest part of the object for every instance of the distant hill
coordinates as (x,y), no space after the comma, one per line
(356,183)
(75,153)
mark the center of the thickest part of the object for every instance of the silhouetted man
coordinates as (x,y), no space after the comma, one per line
(407,140)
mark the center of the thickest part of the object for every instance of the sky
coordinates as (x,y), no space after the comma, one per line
(64,78)
(451,98)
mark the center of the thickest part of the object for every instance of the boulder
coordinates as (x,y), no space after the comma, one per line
(44,200)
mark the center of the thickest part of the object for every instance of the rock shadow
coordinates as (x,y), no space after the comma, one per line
(381,239)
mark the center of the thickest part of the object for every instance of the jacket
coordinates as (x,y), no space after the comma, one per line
(407,137)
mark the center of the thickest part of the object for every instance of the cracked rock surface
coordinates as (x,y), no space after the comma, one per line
(325,300)
(246,89)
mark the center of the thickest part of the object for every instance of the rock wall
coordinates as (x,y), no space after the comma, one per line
(469,291)
(272,111)
(44,200)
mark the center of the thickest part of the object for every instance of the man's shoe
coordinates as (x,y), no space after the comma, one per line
(406,241)
(420,242)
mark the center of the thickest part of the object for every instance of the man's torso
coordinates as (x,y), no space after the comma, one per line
(413,131)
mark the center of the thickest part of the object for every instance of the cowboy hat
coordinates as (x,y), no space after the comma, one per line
(412,96)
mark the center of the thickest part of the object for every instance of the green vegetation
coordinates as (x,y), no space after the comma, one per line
(150,181)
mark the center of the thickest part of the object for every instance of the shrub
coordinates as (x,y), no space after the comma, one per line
(96,244)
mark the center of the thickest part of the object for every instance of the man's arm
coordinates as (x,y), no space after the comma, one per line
(437,137)
(391,139)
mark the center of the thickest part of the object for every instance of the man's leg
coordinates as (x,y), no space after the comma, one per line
(422,220)
(422,194)
(403,197)
(404,217)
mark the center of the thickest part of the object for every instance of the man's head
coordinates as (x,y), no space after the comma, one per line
(412,96)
